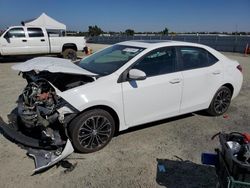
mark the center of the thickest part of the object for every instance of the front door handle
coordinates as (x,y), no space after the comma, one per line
(24,40)
(175,81)
(216,72)
(42,40)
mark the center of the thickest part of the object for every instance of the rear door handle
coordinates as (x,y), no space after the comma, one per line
(24,40)
(175,81)
(216,72)
(42,40)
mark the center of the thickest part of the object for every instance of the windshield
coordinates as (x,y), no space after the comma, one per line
(110,59)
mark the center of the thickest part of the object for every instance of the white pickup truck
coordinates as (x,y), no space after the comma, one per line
(22,40)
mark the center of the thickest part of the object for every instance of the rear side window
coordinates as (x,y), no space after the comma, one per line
(157,62)
(35,32)
(211,59)
(15,33)
(193,58)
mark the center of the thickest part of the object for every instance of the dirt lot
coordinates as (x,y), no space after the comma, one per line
(131,159)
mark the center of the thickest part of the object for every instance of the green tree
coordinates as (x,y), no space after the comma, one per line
(94,31)
(165,31)
(130,32)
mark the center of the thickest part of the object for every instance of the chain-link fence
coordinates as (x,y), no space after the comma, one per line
(234,43)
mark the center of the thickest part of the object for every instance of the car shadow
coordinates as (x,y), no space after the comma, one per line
(203,113)
(23,58)
(131,129)
(184,174)
(14,59)
(10,126)
(155,123)
(1,123)
(2,132)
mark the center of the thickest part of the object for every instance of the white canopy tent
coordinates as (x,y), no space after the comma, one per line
(45,21)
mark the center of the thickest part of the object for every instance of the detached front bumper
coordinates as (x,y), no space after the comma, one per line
(44,156)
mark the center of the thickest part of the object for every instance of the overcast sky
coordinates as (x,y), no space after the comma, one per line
(140,15)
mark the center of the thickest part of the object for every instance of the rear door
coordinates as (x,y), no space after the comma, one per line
(37,42)
(202,76)
(159,95)
(14,42)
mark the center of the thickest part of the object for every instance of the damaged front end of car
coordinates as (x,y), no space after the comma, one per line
(42,118)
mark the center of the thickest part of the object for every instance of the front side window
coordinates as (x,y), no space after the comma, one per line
(15,33)
(35,32)
(193,58)
(157,62)
(110,59)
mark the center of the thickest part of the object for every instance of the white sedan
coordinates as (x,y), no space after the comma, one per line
(121,86)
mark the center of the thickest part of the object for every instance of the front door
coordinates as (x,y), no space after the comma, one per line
(14,42)
(37,42)
(159,95)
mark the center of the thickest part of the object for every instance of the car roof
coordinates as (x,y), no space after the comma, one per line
(158,43)
(21,26)
(153,44)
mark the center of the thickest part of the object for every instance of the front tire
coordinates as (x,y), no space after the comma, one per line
(220,102)
(92,130)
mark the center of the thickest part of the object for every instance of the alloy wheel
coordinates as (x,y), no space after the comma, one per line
(222,101)
(95,132)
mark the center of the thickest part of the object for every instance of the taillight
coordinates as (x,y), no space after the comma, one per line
(239,67)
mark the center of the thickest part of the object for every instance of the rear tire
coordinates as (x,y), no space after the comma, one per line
(220,102)
(69,53)
(92,130)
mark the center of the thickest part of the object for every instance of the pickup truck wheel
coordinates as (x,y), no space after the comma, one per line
(69,54)
(92,130)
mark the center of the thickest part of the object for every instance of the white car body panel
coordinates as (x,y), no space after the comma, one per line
(199,86)
(15,45)
(154,98)
(36,45)
(104,91)
(56,43)
(233,77)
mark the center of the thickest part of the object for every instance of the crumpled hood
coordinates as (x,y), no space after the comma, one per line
(51,64)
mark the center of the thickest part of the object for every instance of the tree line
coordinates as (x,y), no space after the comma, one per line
(97,31)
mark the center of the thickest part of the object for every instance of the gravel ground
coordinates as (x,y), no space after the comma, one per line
(131,159)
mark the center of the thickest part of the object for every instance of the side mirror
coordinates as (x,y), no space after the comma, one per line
(6,36)
(135,74)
